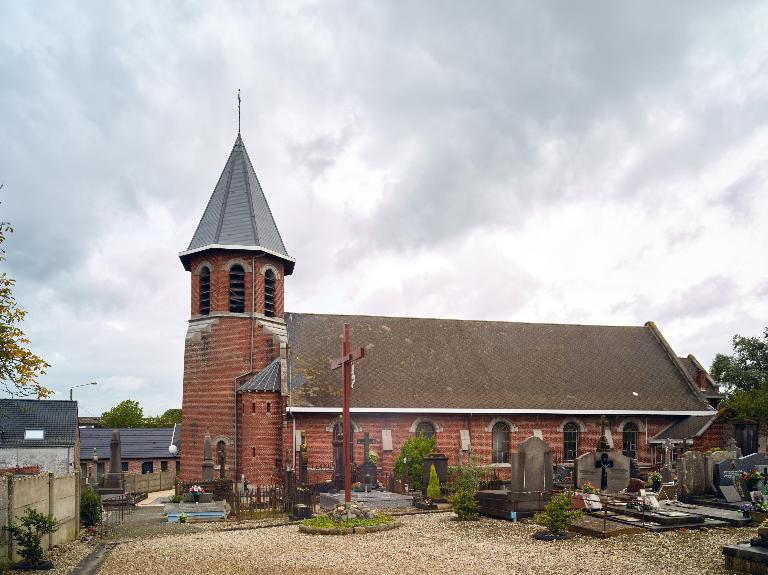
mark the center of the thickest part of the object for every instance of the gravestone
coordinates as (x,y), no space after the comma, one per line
(207,457)
(367,469)
(730,493)
(712,459)
(692,474)
(609,468)
(634,470)
(536,464)
(731,445)
(728,471)
(114,479)
(440,463)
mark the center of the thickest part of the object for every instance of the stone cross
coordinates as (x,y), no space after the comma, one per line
(604,464)
(366,443)
(602,444)
(207,458)
(668,453)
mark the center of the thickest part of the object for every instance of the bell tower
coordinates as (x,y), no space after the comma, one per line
(237,263)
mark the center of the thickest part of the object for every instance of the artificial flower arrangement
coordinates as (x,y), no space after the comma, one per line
(196,490)
(655,477)
(752,477)
(588,488)
(746,507)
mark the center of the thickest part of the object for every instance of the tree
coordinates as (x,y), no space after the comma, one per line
(747,368)
(127,413)
(744,376)
(414,449)
(167,419)
(19,367)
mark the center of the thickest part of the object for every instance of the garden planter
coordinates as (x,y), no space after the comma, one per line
(203,498)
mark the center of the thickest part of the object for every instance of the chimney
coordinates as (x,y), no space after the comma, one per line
(701,379)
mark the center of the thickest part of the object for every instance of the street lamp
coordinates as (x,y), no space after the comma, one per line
(81,385)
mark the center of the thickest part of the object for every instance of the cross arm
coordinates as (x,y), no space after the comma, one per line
(348,358)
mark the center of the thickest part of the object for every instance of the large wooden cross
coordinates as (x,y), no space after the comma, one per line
(345,361)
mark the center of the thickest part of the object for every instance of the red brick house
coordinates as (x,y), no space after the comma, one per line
(259,379)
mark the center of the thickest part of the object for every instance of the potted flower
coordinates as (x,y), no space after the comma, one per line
(656,481)
(196,491)
(590,497)
(745,509)
(759,512)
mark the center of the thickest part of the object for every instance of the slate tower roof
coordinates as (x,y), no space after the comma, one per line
(237,216)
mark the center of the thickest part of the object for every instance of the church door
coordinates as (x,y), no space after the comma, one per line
(746,437)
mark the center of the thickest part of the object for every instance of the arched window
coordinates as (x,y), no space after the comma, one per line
(426,429)
(570,441)
(236,289)
(629,436)
(204,291)
(500,451)
(269,293)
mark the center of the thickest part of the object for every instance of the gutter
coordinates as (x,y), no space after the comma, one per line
(446,410)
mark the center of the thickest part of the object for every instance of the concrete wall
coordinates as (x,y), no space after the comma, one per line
(149,482)
(56,460)
(59,496)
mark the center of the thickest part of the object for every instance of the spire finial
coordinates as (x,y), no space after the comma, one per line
(238,111)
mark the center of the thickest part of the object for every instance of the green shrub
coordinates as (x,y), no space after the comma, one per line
(29,533)
(464,505)
(90,507)
(174,499)
(558,515)
(433,488)
(415,449)
(5,566)
(466,477)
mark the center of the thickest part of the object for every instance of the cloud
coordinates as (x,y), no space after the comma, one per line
(535,162)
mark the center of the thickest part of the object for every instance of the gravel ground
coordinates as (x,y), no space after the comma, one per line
(65,557)
(424,544)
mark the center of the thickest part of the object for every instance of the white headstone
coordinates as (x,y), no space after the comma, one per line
(466,445)
(386,440)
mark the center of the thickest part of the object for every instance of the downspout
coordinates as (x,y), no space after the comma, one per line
(293,456)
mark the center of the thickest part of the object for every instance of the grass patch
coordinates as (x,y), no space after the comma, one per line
(325,522)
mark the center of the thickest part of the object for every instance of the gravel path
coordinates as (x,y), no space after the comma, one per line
(424,544)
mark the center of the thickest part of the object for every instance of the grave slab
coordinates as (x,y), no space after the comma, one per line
(373,499)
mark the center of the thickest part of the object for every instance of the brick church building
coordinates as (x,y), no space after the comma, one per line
(258,378)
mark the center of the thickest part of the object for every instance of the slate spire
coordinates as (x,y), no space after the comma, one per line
(237,216)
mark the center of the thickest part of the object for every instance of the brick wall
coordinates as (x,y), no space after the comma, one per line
(261,422)
(217,351)
(134,465)
(320,450)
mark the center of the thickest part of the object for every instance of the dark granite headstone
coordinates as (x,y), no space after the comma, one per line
(440,462)
(368,470)
(727,472)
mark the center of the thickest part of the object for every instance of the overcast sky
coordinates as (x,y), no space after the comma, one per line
(573,162)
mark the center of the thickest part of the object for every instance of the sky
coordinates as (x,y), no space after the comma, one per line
(566,162)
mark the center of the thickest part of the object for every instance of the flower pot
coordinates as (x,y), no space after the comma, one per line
(758,517)
(196,497)
(657,486)
(746,514)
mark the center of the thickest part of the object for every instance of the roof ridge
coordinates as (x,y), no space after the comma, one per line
(469,320)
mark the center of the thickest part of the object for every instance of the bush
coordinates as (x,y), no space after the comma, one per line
(466,477)
(174,499)
(414,449)
(558,515)
(464,505)
(29,533)
(433,488)
(323,521)
(90,507)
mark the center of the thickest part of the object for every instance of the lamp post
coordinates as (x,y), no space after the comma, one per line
(81,385)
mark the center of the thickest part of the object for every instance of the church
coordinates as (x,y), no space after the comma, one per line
(259,379)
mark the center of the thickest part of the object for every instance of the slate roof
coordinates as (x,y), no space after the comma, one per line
(136,443)
(686,428)
(237,215)
(268,379)
(57,419)
(414,363)
(692,366)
